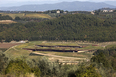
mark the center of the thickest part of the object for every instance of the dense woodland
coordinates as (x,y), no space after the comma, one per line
(67,27)
(28,19)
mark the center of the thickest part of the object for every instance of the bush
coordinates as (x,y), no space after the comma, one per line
(17,67)
(88,71)
(48,68)
(36,71)
(17,18)
(3,61)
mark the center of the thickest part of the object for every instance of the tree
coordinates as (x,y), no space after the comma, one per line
(88,71)
(8,39)
(3,61)
(17,67)
(48,68)
(101,58)
(97,12)
(17,18)
(36,71)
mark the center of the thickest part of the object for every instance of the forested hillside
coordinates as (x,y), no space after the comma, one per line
(67,27)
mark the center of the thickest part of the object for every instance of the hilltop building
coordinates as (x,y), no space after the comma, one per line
(92,12)
(58,11)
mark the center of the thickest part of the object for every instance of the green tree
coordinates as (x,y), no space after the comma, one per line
(8,39)
(3,61)
(17,67)
(36,71)
(17,18)
(101,58)
(88,71)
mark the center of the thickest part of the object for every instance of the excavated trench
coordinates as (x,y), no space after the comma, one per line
(51,50)
(59,46)
(55,50)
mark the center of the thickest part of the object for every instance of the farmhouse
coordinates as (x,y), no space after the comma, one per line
(92,12)
(105,10)
(108,10)
(64,12)
(57,11)
(111,10)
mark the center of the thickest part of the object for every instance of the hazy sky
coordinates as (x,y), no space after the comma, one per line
(22,2)
(51,0)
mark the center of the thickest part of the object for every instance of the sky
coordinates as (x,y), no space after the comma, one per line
(7,3)
(52,0)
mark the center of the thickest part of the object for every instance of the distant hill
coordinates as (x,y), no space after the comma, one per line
(111,3)
(70,6)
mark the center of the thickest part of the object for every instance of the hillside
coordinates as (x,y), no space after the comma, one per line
(70,6)
(46,58)
(68,27)
(111,3)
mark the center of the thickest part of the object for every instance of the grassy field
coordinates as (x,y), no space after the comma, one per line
(31,15)
(37,15)
(17,51)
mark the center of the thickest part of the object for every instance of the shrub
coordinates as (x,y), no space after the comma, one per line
(88,71)
(48,68)
(17,18)
(36,71)
(17,67)
(3,61)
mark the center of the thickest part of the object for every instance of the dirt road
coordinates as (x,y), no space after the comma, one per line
(36,53)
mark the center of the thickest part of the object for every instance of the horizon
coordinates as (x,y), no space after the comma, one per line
(11,3)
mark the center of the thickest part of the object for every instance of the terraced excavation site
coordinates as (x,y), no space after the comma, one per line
(64,52)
